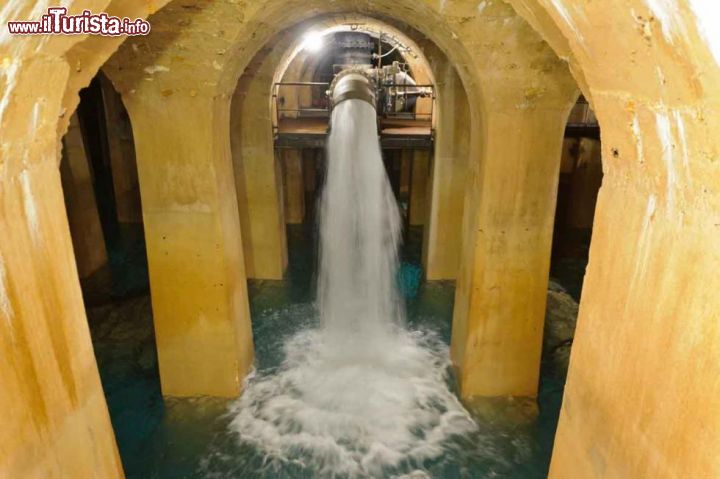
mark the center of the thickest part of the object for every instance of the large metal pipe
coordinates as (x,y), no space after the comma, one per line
(352,85)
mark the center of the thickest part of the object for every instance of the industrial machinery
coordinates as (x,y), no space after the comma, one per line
(359,70)
(390,89)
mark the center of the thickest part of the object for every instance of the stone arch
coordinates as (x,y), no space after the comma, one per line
(445,195)
(341,22)
(259,196)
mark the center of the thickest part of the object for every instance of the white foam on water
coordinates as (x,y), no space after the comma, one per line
(360,395)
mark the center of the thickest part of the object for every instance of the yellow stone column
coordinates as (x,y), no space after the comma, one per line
(57,424)
(258,174)
(569,155)
(122,156)
(194,248)
(442,241)
(502,287)
(294,188)
(406,161)
(419,186)
(55,421)
(310,164)
(586,181)
(85,227)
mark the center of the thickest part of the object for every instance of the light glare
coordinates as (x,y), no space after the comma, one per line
(313,41)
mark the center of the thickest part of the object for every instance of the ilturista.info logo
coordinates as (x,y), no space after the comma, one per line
(57,22)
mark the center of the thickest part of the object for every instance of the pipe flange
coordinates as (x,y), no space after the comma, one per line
(352,84)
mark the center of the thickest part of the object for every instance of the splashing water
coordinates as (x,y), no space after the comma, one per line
(360,396)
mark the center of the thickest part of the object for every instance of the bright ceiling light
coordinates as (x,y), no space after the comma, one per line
(313,41)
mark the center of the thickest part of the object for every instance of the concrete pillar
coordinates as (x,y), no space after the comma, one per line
(406,161)
(446,197)
(55,421)
(122,156)
(258,174)
(294,188)
(642,397)
(310,162)
(419,186)
(568,159)
(192,231)
(85,227)
(569,155)
(585,184)
(501,292)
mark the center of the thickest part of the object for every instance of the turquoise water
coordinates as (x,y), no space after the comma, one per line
(189,438)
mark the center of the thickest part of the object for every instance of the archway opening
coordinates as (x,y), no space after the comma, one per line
(101,189)
(299,114)
(579,181)
(406,121)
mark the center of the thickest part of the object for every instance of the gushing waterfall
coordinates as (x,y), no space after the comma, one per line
(359,233)
(359,396)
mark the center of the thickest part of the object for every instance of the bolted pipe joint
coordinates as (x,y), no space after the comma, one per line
(352,84)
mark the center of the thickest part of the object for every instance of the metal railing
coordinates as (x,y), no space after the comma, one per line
(316,95)
(407,101)
(397,101)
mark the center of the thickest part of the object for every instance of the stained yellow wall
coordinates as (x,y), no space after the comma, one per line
(192,233)
(192,224)
(55,421)
(442,241)
(126,186)
(258,171)
(405,157)
(419,186)
(310,164)
(500,298)
(294,196)
(584,184)
(84,220)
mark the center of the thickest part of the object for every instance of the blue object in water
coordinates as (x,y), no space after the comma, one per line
(409,278)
